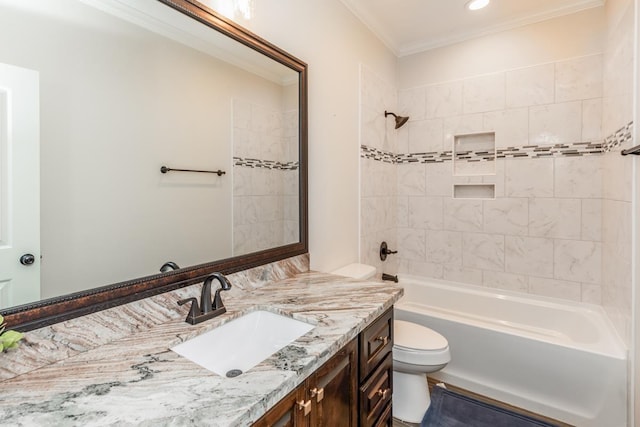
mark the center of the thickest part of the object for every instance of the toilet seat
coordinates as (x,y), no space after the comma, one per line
(418,345)
(413,337)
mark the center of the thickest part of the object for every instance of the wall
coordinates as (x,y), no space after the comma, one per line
(617,170)
(334,43)
(378,171)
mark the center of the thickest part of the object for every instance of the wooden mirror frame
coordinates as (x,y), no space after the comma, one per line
(46,312)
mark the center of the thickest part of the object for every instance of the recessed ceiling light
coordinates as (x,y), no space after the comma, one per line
(477,4)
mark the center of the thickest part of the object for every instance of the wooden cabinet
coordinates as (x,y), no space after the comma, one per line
(352,389)
(328,398)
(376,371)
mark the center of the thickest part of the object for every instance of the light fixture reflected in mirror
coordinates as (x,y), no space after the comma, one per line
(232,9)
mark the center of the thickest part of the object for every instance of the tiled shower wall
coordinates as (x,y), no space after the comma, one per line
(617,172)
(378,179)
(543,232)
(265,177)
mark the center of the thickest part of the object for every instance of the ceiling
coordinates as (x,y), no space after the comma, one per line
(412,26)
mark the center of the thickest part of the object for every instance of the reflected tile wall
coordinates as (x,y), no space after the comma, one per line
(265,177)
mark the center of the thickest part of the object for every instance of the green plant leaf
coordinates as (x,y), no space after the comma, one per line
(10,339)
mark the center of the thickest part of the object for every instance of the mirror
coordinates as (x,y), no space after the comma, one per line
(136,133)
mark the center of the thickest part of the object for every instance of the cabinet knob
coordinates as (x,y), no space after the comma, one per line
(305,406)
(384,340)
(383,393)
(318,393)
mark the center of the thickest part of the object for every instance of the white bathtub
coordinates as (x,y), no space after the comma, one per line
(559,359)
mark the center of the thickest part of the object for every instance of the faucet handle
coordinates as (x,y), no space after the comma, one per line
(194,311)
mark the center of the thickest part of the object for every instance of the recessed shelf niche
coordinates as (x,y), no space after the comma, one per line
(474,191)
(474,154)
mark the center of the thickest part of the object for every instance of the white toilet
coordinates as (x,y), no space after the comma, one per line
(417,350)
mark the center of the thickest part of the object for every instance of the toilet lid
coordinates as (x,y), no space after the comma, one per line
(411,336)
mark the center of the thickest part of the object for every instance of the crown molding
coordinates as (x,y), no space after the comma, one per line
(421,46)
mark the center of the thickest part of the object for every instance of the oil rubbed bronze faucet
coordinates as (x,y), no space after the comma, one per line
(207,309)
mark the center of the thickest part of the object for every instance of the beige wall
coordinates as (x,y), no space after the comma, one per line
(324,34)
(565,37)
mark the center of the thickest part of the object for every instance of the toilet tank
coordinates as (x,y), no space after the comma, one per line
(356,271)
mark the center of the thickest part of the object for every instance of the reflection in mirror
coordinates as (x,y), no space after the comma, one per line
(107,92)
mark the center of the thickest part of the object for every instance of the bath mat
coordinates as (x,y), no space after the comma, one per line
(450,409)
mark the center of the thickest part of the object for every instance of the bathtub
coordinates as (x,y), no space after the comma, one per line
(560,359)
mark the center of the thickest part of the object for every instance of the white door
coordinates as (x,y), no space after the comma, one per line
(19,186)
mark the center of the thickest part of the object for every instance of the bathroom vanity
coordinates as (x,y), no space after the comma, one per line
(115,367)
(352,389)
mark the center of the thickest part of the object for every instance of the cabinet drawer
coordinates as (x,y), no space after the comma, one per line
(376,341)
(386,419)
(375,394)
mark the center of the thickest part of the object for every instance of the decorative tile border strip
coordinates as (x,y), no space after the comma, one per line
(367,152)
(265,164)
(574,149)
(620,137)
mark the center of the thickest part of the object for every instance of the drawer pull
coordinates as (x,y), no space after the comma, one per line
(318,393)
(306,406)
(383,393)
(384,340)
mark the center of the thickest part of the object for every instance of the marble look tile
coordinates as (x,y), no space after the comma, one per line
(591,294)
(506,216)
(459,274)
(483,251)
(460,125)
(444,100)
(578,177)
(426,213)
(579,78)
(592,120)
(411,179)
(485,93)
(506,281)
(577,261)
(423,269)
(555,123)
(531,86)
(591,220)
(531,256)
(402,140)
(372,127)
(511,127)
(617,177)
(555,288)
(413,102)
(556,218)
(444,247)
(412,244)
(439,179)
(462,215)
(425,136)
(403,211)
(529,177)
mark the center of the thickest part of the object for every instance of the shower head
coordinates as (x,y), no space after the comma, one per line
(400,120)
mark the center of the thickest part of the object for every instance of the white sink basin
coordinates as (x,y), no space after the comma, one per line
(244,342)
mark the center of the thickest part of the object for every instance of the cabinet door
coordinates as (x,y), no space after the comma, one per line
(334,390)
(288,412)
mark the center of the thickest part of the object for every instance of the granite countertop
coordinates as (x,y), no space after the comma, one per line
(136,380)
